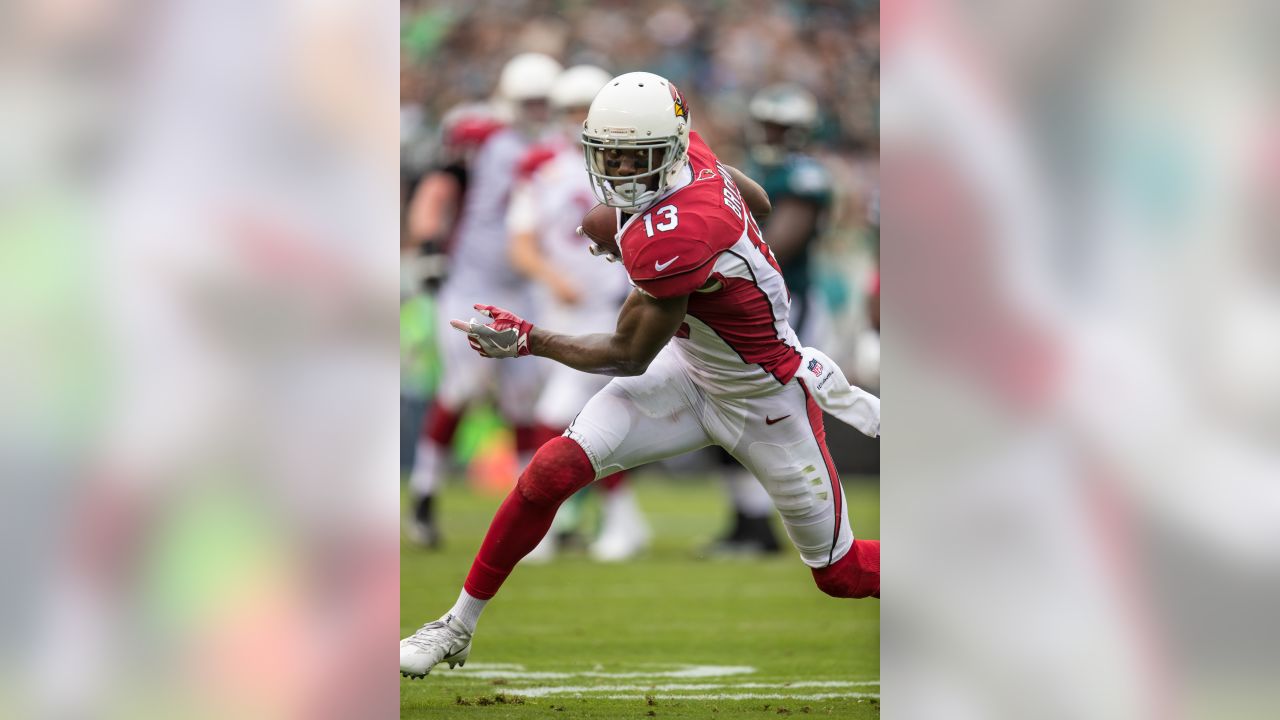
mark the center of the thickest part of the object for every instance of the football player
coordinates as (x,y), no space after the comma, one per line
(478,262)
(431,221)
(702,354)
(575,291)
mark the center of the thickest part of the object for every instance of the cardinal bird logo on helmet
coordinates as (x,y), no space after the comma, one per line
(680,108)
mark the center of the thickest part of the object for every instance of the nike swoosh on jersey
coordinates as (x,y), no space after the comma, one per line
(660,266)
(769,421)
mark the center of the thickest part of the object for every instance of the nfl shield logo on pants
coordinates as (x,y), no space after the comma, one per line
(815,367)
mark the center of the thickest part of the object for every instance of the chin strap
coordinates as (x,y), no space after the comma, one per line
(634,207)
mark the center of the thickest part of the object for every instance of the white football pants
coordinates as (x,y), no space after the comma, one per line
(778,437)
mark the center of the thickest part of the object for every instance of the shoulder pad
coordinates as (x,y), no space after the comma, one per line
(807,178)
(473,132)
(667,265)
(533,159)
(675,262)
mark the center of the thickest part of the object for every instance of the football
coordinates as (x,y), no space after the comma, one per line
(599,225)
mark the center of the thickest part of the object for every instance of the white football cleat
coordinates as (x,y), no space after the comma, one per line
(443,640)
(624,532)
(425,535)
(544,552)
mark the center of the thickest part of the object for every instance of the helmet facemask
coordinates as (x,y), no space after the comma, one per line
(658,162)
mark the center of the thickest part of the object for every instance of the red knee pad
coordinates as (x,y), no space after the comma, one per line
(856,575)
(559,469)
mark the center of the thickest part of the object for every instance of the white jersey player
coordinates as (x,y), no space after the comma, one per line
(572,290)
(478,262)
(704,355)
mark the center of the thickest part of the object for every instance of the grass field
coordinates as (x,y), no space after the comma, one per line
(666,636)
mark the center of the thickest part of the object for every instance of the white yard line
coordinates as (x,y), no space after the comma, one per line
(650,689)
(747,696)
(664,691)
(582,689)
(687,671)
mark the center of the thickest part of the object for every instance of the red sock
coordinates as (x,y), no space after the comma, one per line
(856,575)
(443,424)
(559,469)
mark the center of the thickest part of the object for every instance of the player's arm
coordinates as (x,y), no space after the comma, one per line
(794,221)
(431,208)
(526,256)
(645,324)
(756,198)
(524,252)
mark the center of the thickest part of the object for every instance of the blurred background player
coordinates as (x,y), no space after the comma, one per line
(782,121)
(866,359)
(572,289)
(434,179)
(783,117)
(435,196)
(478,259)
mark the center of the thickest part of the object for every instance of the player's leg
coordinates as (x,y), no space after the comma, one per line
(562,397)
(750,530)
(624,533)
(782,441)
(630,422)
(463,378)
(519,386)
(522,387)
(520,383)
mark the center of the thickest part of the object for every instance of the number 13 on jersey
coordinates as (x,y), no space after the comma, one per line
(669,223)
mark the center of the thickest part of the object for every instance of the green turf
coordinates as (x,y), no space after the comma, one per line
(661,613)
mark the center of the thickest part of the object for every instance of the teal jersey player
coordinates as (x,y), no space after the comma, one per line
(799,187)
(802,180)
(800,192)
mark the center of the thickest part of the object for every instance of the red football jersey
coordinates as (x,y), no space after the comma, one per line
(700,240)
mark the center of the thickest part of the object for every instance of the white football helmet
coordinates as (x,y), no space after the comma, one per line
(785,104)
(528,76)
(577,86)
(637,111)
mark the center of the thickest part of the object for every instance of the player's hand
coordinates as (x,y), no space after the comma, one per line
(507,336)
(564,291)
(596,250)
